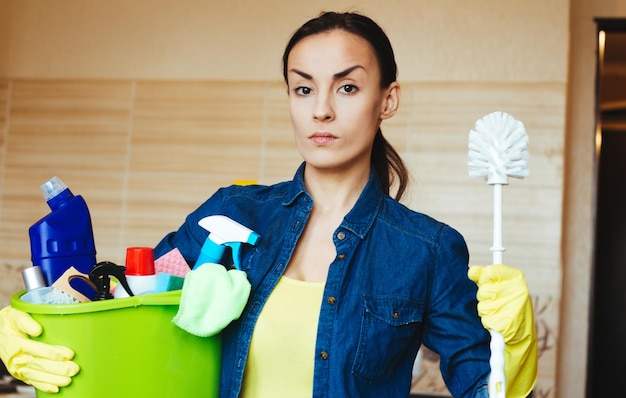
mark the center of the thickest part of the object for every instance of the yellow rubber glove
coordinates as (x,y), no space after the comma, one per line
(504,305)
(44,366)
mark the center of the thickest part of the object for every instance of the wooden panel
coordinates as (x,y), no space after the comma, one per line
(63,126)
(198,127)
(4,101)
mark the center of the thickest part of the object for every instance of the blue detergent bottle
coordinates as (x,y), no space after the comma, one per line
(63,238)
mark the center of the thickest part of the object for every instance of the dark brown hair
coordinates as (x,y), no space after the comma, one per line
(385,160)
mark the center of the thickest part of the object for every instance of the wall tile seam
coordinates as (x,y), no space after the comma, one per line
(264,130)
(127,163)
(5,141)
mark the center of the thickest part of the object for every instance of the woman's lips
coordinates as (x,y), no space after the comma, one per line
(322,138)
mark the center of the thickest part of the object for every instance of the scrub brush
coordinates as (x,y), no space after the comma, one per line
(498,148)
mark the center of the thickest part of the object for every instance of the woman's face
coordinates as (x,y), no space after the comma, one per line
(335,99)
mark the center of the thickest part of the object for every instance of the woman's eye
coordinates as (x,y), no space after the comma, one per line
(348,89)
(303,90)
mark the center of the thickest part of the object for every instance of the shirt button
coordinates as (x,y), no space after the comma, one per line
(331,300)
(396,315)
(341,256)
(341,235)
(324,355)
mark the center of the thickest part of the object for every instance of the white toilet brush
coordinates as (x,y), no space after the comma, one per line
(498,149)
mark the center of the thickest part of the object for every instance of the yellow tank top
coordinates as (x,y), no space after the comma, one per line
(282,351)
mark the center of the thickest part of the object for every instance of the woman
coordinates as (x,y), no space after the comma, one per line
(388,279)
(347,283)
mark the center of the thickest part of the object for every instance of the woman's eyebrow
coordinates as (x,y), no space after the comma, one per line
(303,74)
(336,76)
(346,72)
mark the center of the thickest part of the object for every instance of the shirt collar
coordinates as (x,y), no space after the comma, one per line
(297,188)
(358,220)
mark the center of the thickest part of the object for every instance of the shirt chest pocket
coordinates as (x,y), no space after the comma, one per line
(390,330)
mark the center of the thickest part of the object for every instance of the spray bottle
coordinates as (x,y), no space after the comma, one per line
(212,295)
(63,238)
(223,232)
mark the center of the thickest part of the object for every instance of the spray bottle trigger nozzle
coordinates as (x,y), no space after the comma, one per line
(224,231)
(101,274)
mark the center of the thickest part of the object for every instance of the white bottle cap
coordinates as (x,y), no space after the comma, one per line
(52,188)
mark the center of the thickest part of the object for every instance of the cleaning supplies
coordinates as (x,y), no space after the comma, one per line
(223,232)
(125,348)
(171,269)
(213,296)
(498,148)
(168,282)
(64,237)
(100,276)
(140,273)
(66,283)
(505,305)
(172,263)
(48,295)
(38,293)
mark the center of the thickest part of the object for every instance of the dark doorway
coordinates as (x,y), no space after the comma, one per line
(607,340)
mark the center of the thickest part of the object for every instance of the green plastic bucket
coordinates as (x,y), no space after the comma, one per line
(129,347)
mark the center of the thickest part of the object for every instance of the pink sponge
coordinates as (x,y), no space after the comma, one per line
(172,263)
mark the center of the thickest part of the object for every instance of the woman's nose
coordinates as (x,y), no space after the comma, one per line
(323,108)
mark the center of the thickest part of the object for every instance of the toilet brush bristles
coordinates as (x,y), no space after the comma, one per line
(498,148)
(58,296)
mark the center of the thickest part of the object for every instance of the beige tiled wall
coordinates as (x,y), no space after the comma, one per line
(145,153)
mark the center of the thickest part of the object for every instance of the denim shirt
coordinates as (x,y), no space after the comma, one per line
(398,281)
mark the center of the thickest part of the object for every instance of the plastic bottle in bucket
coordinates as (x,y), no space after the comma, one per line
(140,273)
(64,237)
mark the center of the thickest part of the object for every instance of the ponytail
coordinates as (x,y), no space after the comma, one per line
(389,166)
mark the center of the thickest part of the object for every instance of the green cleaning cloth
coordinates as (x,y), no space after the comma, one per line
(212,297)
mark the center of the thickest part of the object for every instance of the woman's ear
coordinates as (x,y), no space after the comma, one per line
(391,101)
